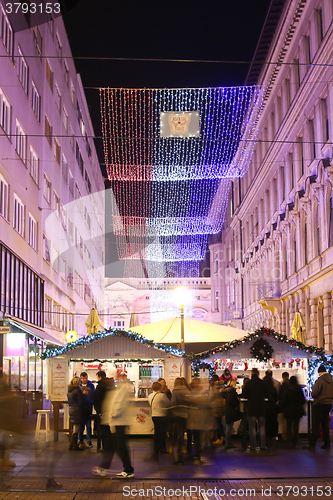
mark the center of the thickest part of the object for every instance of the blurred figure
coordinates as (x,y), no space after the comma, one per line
(271,419)
(232,411)
(276,383)
(115,412)
(256,391)
(76,411)
(198,415)
(159,409)
(283,387)
(180,413)
(217,404)
(87,389)
(293,403)
(164,388)
(98,397)
(322,393)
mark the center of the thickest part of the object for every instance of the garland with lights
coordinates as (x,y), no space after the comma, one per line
(262,350)
(315,363)
(111,332)
(116,360)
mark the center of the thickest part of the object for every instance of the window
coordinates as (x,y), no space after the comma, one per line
(56,203)
(70,229)
(330,241)
(71,137)
(34,165)
(19,215)
(72,91)
(319,14)
(48,131)
(71,182)
(22,71)
(65,119)
(326,125)
(63,319)
(47,189)
(79,158)
(46,248)
(35,100)
(291,166)
(64,167)
(21,142)
(312,139)
(62,267)
(88,183)
(5,113)
(66,74)
(57,151)
(49,74)
(55,259)
(63,216)
(216,263)
(58,47)
(301,154)
(57,97)
(80,118)
(47,310)
(216,301)
(4,197)
(32,232)
(38,40)
(56,315)
(6,32)
(70,280)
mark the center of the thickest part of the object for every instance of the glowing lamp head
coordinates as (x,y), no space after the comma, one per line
(182,296)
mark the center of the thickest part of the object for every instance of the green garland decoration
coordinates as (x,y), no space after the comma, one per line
(262,350)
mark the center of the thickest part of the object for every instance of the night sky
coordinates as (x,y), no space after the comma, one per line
(218,30)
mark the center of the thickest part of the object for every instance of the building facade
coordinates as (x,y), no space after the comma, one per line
(52,189)
(275,255)
(133,301)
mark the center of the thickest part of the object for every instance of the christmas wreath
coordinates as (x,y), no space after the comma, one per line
(262,350)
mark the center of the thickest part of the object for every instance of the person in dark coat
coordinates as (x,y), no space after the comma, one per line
(271,420)
(293,404)
(283,386)
(76,411)
(256,391)
(87,389)
(232,412)
(98,397)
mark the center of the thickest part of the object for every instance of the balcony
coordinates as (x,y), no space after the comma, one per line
(232,314)
(269,289)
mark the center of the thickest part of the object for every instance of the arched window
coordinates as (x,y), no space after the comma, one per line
(330,235)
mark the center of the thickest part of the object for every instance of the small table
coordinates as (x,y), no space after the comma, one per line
(57,429)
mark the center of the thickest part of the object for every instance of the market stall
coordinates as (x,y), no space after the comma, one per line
(115,351)
(264,349)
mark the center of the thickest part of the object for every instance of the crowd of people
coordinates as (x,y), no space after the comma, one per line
(191,416)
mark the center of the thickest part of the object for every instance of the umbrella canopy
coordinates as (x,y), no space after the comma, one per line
(93,322)
(134,320)
(168,331)
(298,328)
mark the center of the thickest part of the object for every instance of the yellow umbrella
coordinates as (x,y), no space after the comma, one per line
(134,320)
(93,322)
(298,328)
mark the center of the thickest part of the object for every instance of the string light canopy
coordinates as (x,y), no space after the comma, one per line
(179,134)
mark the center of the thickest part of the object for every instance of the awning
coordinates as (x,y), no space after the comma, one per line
(33,331)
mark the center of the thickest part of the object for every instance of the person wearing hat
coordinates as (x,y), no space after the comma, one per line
(322,393)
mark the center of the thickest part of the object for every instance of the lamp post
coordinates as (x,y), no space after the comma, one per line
(182,297)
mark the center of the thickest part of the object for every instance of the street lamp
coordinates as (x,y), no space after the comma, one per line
(182,296)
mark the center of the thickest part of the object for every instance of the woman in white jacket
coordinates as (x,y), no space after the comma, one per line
(115,413)
(159,403)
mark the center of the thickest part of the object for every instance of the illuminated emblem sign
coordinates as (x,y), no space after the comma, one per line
(173,124)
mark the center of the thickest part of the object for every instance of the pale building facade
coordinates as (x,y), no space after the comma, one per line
(138,300)
(275,254)
(52,188)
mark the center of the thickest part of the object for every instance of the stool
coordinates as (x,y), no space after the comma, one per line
(45,431)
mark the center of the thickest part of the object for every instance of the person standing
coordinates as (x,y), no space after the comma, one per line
(87,389)
(322,393)
(103,385)
(283,387)
(293,403)
(199,415)
(115,412)
(232,411)
(271,420)
(159,403)
(256,391)
(180,414)
(76,411)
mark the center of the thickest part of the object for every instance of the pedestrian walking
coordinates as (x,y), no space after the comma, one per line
(76,411)
(322,393)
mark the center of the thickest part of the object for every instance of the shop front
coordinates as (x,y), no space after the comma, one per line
(115,354)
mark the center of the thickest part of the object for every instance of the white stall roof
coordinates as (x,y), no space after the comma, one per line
(113,347)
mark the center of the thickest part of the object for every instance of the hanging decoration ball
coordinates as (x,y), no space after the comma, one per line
(71,336)
(262,350)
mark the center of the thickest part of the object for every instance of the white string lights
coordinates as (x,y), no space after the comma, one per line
(171,155)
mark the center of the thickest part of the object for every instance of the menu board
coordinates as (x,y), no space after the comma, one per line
(58,374)
(174,371)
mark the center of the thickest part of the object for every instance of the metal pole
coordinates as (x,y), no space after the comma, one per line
(182,340)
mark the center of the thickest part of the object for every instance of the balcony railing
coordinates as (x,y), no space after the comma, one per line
(269,289)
